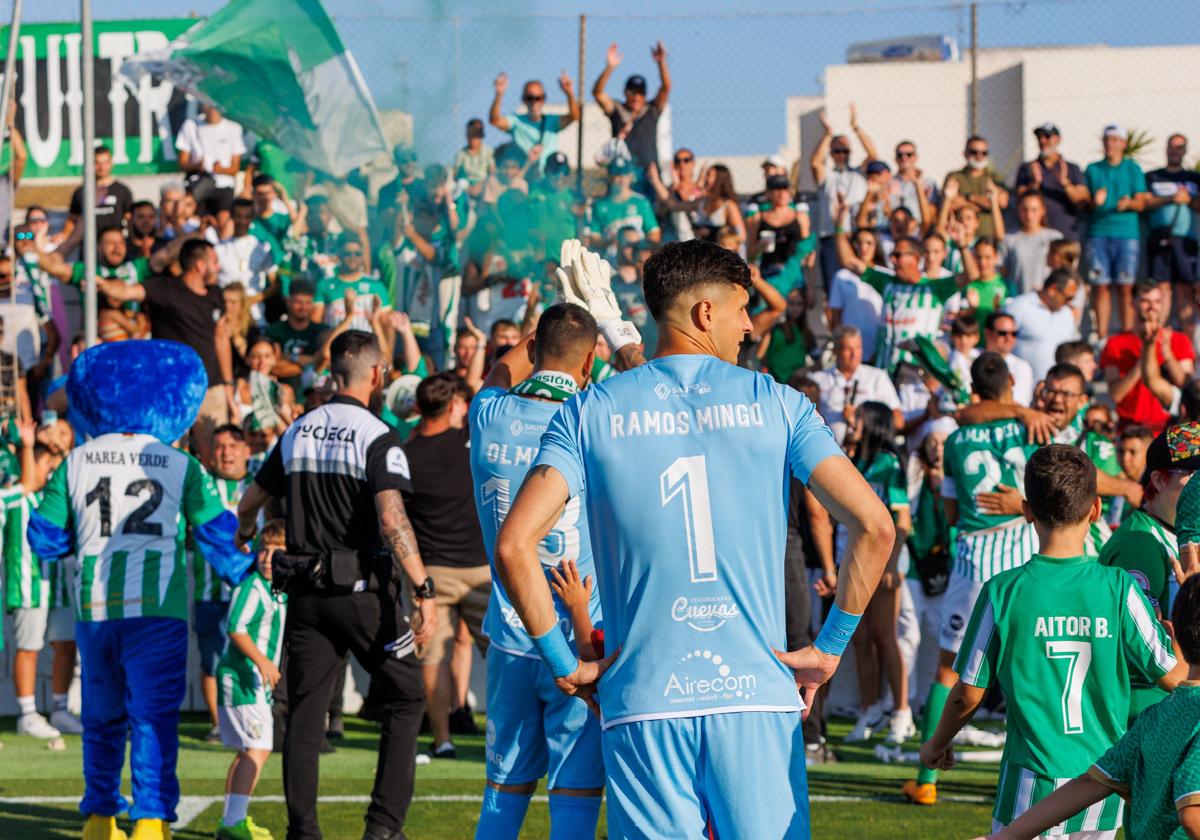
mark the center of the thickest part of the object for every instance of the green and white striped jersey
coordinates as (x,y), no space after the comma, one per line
(206,585)
(260,614)
(128,499)
(909,310)
(979,459)
(1063,637)
(28,581)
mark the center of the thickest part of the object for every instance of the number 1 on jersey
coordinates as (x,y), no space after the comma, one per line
(687,478)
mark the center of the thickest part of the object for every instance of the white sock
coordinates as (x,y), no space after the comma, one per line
(60,703)
(236,806)
(27,705)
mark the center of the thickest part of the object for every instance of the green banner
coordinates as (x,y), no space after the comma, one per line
(139,126)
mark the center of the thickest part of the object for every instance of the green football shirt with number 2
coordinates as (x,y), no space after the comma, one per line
(1063,637)
(128,500)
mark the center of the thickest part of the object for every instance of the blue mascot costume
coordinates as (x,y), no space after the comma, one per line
(116,511)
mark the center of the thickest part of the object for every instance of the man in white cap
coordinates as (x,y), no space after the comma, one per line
(773,165)
(1118,194)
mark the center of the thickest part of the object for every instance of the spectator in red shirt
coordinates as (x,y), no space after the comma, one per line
(1146,386)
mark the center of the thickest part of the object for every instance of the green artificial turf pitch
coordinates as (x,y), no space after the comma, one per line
(855,797)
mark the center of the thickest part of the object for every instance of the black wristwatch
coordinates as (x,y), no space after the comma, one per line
(426,591)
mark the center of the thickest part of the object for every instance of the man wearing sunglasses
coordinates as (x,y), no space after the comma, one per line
(638,115)
(351,292)
(973,182)
(535,132)
(911,189)
(1000,336)
(839,184)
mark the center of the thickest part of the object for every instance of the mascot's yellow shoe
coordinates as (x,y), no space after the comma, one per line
(102,828)
(919,794)
(151,830)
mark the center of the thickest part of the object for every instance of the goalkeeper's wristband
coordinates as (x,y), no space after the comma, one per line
(618,333)
(555,652)
(836,632)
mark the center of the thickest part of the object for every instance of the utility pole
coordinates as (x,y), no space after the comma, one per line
(582,100)
(974,68)
(89,171)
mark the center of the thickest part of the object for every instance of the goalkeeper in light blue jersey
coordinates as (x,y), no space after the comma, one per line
(533,729)
(686,463)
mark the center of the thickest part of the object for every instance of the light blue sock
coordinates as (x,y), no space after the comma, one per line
(573,817)
(501,815)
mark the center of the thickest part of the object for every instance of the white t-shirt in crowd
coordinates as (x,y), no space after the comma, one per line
(246,260)
(866,384)
(861,306)
(851,183)
(1040,331)
(1023,381)
(961,363)
(1025,258)
(212,143)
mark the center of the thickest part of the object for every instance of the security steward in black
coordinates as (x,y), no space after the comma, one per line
(340,471)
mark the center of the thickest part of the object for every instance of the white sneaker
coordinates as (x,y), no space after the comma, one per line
(66,723)
(866,722)
(973,736)
(36,726)
(900,727)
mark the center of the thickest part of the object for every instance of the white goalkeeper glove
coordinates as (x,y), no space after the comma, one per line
(586,280)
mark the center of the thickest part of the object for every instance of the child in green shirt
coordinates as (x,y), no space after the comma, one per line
(987,294)
(246,677)
(1155,766)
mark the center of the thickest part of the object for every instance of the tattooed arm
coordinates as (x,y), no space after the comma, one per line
(398,536)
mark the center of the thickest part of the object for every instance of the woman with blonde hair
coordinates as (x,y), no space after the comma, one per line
(719,206)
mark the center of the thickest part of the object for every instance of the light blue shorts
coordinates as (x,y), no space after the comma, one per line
(742,773)
(535,730)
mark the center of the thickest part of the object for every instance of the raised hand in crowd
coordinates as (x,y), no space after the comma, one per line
(613,56)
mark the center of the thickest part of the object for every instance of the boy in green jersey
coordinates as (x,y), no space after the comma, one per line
(1155,765)
(37,596)
(1063,636)
(979,458)
(1145,545)
(246,678)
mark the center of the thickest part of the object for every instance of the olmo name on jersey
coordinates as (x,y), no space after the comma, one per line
(710,418)
(503,453)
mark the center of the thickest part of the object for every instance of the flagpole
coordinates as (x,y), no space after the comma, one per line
(89,171)
(7,92)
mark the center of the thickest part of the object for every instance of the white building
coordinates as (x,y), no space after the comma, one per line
(1080,89)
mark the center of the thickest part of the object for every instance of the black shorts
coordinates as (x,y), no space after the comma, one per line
(1172,259)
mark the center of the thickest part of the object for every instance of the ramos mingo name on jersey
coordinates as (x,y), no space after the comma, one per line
(116,458)
(709,418)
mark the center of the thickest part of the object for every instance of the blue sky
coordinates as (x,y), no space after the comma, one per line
(732,67)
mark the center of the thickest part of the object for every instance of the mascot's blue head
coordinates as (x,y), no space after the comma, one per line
(136,387)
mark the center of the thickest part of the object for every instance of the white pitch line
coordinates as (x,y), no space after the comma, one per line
(191,807)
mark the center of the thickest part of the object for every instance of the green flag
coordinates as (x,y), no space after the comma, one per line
(930,357)
(279,68)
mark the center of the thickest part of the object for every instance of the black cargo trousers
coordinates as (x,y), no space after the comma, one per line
(321,628)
